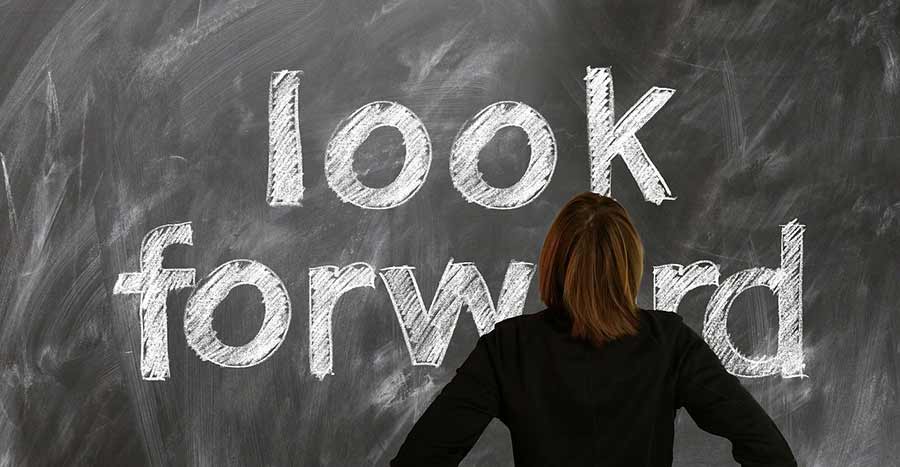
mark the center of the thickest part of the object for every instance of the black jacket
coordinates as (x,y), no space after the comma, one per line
(569,404)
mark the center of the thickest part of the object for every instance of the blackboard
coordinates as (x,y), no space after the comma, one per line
(118,117)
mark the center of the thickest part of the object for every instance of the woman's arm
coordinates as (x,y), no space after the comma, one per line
(720,405)
(454,421)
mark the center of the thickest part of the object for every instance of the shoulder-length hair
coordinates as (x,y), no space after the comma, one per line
(591,266)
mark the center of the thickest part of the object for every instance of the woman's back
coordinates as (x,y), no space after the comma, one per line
(567,402)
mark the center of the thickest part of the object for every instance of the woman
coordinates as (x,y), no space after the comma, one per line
(592,379)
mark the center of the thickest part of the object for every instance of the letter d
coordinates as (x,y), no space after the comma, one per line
(786,282)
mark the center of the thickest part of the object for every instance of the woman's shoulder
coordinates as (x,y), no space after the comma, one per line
(526,320)
(666,327)
(519,320)
(669,318)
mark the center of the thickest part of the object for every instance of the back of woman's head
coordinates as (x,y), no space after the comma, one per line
(591,266)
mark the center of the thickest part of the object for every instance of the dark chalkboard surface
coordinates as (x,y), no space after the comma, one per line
(119,117)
